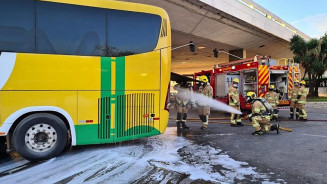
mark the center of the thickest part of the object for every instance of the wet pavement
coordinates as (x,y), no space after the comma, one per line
(220,154)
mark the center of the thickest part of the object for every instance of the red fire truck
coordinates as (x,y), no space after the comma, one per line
(255,74)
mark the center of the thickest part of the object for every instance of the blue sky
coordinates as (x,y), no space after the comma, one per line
(308,16)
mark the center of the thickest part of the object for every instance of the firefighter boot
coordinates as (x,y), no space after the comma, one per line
(205,122)
(291,113)
(257,132)
(184,125)
(184,122)
(178,125)
(240,124)
(238,120)
(275,127)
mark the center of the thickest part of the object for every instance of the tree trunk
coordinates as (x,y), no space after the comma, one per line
(317,85)
(305,73)
(311,84)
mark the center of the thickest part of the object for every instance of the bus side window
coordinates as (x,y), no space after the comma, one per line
(70,29)
(17,20)
(132,32)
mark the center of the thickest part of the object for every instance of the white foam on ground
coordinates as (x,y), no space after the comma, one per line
(159,159)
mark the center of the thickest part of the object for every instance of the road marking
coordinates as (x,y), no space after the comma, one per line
(315,135)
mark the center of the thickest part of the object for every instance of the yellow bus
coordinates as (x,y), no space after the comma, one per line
(79,72)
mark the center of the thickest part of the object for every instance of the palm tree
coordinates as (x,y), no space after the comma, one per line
(312,55)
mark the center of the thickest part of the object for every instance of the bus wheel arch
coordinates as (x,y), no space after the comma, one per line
(19,115)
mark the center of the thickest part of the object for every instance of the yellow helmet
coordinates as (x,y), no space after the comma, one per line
(296,81)
(250,96)
(204,78)
(303,82)
(236,80)
(271,87)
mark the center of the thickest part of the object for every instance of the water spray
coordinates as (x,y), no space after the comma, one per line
(202,100)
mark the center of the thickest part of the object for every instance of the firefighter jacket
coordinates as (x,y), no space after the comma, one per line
(258,108)
(234,97)
(294,93)
(182,100)
(272,98)
(302,95)
(206,91)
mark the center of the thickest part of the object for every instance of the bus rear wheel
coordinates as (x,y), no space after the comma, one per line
(40,137)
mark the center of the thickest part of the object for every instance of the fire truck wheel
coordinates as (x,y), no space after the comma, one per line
(40,137)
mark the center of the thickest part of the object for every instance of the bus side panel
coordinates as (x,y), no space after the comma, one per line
(88,118)
(17,100)
(134,95)
(143,72)
(136,115)
(54,72)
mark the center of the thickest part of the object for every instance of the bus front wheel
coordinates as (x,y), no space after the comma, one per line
(40,137)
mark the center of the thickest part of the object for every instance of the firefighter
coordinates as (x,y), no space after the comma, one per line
(234,101)
(204,111)
(301,101)
(182,103)
(260,116)
(294,95)
(273,99)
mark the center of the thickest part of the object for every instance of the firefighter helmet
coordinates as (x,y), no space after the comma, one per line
(204,78)
(296,81)
(271,87)
(236,80)
(250,96)
(303,82)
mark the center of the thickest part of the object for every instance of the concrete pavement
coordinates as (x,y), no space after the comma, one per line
(220,154)
(297,157)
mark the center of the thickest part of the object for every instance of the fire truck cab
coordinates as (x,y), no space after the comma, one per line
(255,74)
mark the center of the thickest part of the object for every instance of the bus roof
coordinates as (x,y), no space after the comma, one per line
(117,5)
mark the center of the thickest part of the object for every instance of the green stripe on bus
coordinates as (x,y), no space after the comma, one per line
(120,95)
(105,77)
(88,135)
(120,75)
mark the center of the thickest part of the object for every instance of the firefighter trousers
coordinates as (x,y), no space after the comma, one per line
(302,112)
(294,108)
(261,123)
(235,118)
(181,108)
